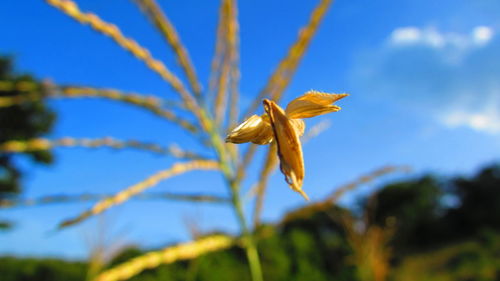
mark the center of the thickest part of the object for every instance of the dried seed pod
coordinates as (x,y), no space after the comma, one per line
(312,104)
(299,125)
(255,129)
(289,147)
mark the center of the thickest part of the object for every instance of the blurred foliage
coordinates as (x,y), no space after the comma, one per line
(416,208)
(433,240)
(21,122)
(30,269)
(477,259)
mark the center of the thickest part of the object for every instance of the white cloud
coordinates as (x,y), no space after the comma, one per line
(413,35)
(482,35)
(452,77)
(430,36)
(487,121)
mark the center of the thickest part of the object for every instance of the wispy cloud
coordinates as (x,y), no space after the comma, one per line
(431,37)
(481,121)
(452,77)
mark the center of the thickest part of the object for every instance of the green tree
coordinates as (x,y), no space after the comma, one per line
(416,208)
(479,202)
(20,122)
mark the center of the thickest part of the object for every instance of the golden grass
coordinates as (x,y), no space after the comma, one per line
(364,179)
(215,111)
(163,24)
(153,104)
(38,144)
(234,74)
(282,75)
(51,199)
(330,200)
(225,74)
(371,251)
(168,255)
(111,30)
(151,181)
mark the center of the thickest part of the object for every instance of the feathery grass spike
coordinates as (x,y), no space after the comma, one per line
(234,75)
(71,8)
(220,48)
(163,24)
(54,199)
(331,199)
(281,77)
(150,103)
(46,144)
(168,255)
(135,189)
(223,71)
(325,204)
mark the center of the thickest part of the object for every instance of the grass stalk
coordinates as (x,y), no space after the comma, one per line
(167,29)
(39,144)
(140,187)
(248,238)
(234,184)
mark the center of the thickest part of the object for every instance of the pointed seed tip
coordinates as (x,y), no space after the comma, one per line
(303,194)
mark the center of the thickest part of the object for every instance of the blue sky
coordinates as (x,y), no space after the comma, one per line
(423,78)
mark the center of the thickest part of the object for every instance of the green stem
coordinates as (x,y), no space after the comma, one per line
(230,176)
(248,239)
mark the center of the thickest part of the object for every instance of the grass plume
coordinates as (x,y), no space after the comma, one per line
(282,75)
(57,199)
(46,144)
(137,188)
(167,29)
(71,9)
(168,255)
(213,118)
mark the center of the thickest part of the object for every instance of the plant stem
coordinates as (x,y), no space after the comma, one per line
(248,242)
(234,185)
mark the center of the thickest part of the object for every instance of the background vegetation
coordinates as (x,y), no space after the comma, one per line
(430,239)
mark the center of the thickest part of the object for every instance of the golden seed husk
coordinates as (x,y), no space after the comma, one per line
(255,129)
(312,104)
(289,147)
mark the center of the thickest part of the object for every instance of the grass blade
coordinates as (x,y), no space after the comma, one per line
(163,24)
(168,255)
(135,189)
(281,77)
(71,9)
(151,103)
(234,74)
(46,144)
(223,62)
(57,199)
(364,179)
(332,199)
